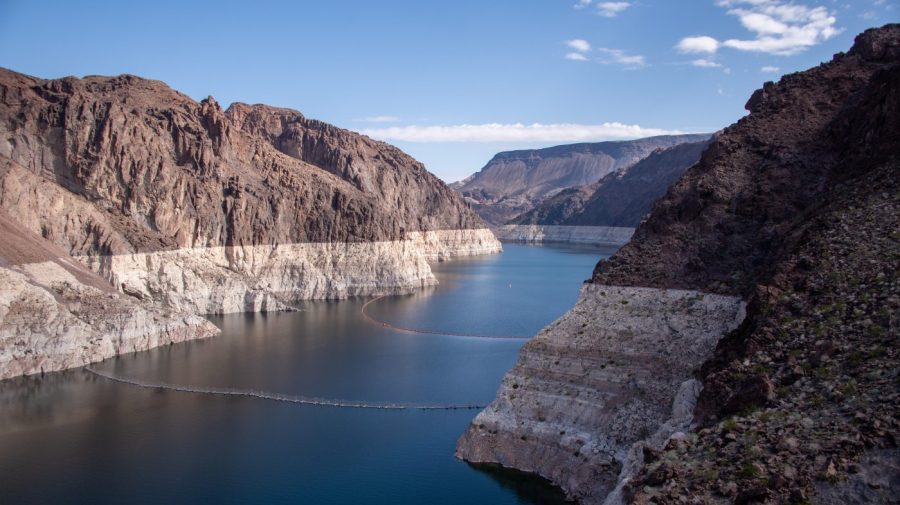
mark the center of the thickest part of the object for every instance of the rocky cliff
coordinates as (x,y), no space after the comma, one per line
(57,314)
(183,208)
(514,182)
(620,199)
(792,212)
(209,210)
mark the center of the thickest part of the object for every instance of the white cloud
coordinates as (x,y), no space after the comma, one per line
(582,4)
(769,69)
(705,63)
(701,44)
(575,57)
(611,9)
(620,57)
(517,132)
(779,27)
(580,45)
(378,119)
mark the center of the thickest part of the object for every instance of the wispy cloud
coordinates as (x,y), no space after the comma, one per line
(579,45)
(581,48)
(611,9)
(699,44)
(581,4)
(517,132)
(704,63)
(779,27)
(769,69)
(378,119)
(620,57)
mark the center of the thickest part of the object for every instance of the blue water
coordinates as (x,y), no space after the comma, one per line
(73,437)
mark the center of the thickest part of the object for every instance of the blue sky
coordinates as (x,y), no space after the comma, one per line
(451,83)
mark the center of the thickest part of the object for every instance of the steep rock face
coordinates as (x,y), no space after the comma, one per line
(514,182)
(216,202)
(56,314)
(596,381)
(620,199)
(795,209)
(723,224)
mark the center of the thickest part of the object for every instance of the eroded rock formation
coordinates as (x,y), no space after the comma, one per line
(189,208)
(793,209)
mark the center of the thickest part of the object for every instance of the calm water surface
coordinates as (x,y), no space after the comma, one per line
(73,437)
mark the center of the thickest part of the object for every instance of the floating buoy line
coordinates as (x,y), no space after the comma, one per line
(309,400)
(279,397)
(385,324)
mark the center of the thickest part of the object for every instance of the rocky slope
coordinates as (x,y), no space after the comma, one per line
(793,209)
(151,208)
(620,199)
(208,210)
(56,314)
(514,182)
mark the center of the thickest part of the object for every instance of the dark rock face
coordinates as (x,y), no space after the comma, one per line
(166,172)
(797,208)
(622,198)
(514,182)
(726,222)
(794,209)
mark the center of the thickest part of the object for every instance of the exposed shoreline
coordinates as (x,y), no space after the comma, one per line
(587,235)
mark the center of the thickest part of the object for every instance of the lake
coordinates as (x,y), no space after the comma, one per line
(75,437)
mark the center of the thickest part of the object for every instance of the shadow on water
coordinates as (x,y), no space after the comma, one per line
(528,487)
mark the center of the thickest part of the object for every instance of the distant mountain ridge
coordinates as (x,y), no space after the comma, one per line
(514,182)
(620,199)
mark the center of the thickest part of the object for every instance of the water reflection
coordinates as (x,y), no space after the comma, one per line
(71,437)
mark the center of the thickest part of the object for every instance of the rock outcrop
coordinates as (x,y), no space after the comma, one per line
(209,210)
(56,314)
(596,381)
(514,182)
(620,199)
(183,208)
(793,209)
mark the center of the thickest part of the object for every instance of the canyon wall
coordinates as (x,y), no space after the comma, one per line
(56,314)
(184,208)
(655,389)
(622,198)
(514,182)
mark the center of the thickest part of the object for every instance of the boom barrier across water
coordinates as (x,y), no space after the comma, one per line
(279,397)
(385,324)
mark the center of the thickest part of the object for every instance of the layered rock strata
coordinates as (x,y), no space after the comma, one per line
(591,235)
(514,182)
(794,209)
(210,210)
(184,208)
(596,381)
(56,314)
(621,198)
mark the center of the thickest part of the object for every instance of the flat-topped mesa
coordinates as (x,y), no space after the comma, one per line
(219,211)
(782,238)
